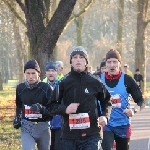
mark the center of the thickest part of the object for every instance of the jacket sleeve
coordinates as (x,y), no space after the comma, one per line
(18,103)
(55,105)
(135,91)
(105,101)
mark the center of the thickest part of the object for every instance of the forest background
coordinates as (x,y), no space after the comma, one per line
(47,30)
(44,30)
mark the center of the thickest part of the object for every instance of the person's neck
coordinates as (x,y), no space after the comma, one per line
(113,76)
(51,82)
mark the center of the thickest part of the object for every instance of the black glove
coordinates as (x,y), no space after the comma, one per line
(17,122)
(37,108)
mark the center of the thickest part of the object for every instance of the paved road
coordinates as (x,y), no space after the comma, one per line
(140,130)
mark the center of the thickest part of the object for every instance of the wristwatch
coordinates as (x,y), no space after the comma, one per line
(134,110)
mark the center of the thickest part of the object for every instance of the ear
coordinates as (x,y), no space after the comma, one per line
(39,74)
(119,64)
(70,61)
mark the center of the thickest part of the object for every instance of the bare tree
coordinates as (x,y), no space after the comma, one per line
(1,82)
(44,30)
(120,25)
(140,50)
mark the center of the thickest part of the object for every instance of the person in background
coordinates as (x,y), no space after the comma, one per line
(127,71)
(138,77)
(102,70)
(97,72)
(32,97)
(90,69)
(56,123)
(60,66)
(120,86)
(78,93)
(103,67)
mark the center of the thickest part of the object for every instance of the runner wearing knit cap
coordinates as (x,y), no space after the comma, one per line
(56,123)
(31,115)
(120,86)
(77,95)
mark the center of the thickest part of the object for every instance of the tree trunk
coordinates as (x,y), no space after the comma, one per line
(140,51)
(43,39)
(1,83)
(120,25)
(20,50)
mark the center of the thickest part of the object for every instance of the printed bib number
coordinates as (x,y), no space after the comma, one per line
(79,121)
(116,101)
(30,114)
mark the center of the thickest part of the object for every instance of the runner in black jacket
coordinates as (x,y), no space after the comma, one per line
(75,98)
(31,114)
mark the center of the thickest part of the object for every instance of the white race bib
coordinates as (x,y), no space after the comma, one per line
(30,114)
(79,121)
(116,101)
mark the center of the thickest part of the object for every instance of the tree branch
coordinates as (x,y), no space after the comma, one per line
(12,9)
(148,21)
(80,13)
(21,5)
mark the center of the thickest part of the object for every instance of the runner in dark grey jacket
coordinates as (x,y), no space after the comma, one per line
(75,98)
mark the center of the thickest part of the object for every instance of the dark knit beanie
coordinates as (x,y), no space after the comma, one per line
(113,54)
(103,64)
(79,50)
(51,65)
(32,64)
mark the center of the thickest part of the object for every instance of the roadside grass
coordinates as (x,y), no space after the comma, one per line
(9,137)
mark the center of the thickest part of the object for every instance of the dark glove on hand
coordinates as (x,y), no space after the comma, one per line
(17,122)
(37,108)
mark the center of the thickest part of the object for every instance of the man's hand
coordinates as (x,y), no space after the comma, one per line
(17,122)
(72,108)
(129,112)
(102,121)
(37,108)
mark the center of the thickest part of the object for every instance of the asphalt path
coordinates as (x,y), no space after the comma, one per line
(140,124)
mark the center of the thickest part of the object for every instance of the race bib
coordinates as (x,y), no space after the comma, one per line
(116,101)
(79,121)
(30,114)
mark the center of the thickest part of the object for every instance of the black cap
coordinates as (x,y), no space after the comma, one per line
(51,65)
(103,64)
(32,64)
(112,53)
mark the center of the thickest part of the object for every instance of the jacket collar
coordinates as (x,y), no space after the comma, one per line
(31,86)
(117,76)
(79,73)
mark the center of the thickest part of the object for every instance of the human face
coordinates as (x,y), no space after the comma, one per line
(138,72)
(125,68)
(103,69)
(31,75)
(60,69)
(51,75)
(113,66)
(78,62)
